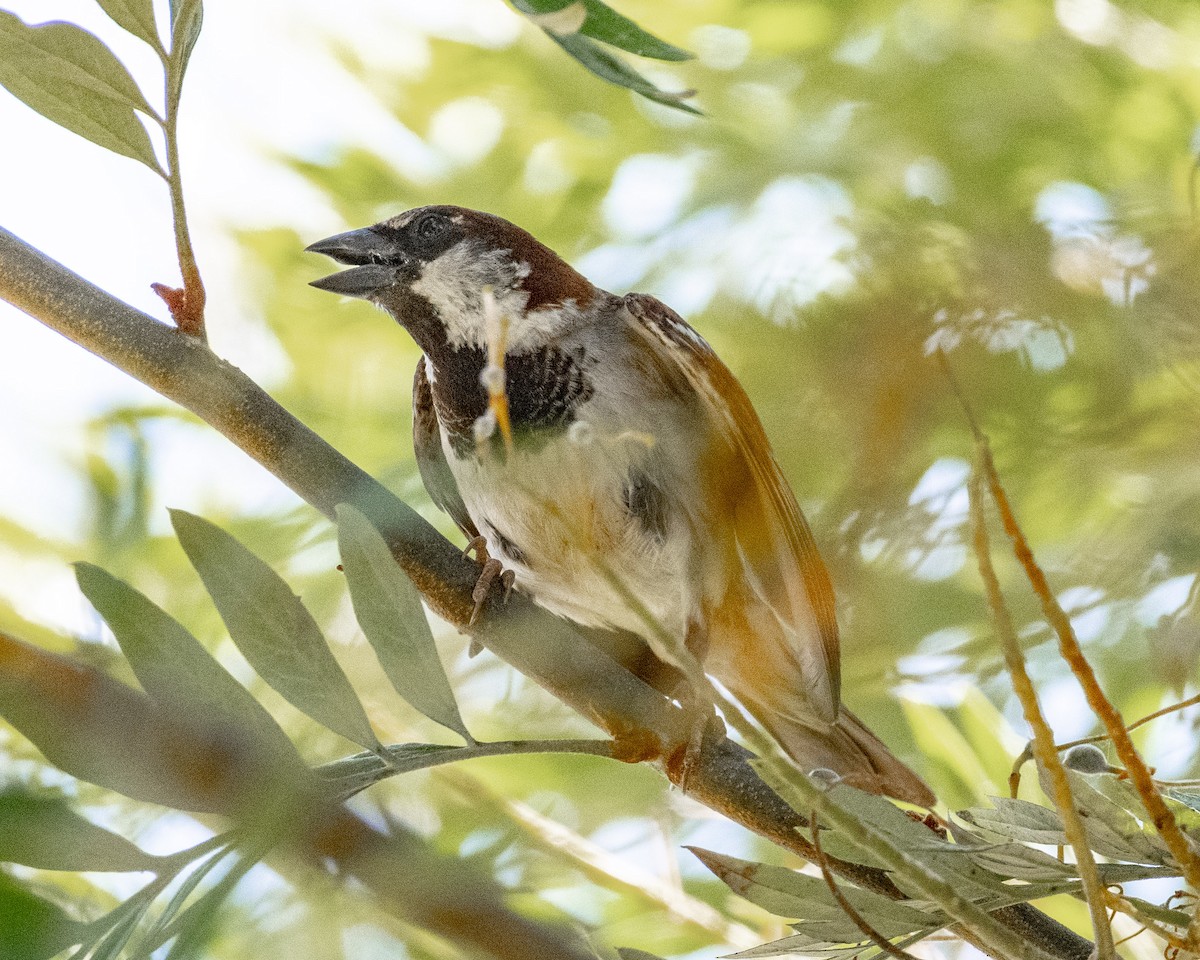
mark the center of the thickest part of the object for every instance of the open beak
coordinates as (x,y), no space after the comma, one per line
(373,265)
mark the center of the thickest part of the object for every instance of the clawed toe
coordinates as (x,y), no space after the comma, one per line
(477,546)
(493,572)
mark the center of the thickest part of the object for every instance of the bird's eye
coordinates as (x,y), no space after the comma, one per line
(430,227)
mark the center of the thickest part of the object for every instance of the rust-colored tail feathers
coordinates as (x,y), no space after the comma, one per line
(851,751)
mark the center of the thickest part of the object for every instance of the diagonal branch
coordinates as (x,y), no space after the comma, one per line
(544,648)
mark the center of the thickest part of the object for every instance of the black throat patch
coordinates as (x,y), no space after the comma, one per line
(545,389)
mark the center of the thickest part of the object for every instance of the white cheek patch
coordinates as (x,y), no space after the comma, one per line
(454,282)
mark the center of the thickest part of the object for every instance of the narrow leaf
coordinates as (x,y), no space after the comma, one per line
(604,23)
(135,16)
(600,22)
(175,669)
(273,629)
(631,953)
(69,76)
(98,729)
(1018,820)
(390,614)
(33,928)
(46,833)
(800,897)
(608,67)
(187,18)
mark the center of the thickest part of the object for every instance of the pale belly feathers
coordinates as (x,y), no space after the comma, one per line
(558,515)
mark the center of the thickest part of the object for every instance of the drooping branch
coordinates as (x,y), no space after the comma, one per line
(539,645)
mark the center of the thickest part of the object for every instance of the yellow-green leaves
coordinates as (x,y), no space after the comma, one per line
(175,670)
(580,27)
(33,928)
(69,76)
(390,614)
(45,833)
(136,17)
(273,629)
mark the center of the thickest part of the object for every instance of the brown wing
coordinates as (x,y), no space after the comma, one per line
(779,556)
(431,459)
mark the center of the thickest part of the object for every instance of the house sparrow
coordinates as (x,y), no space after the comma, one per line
(638,488)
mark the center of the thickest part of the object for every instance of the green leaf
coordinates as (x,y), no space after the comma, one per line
(602,22)
(46,833)
(607,67)
(390,614)
(273,629)
(1018,820)
(175,669)
(100,730)
(187,18)
(33,928)
(135,16)
(68,76)
(1112,829)
(807,899)
(632,953)
(201,920)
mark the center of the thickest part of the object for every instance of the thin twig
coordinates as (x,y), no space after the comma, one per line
(847,907)
(1139,773)
(1100,737)
(187,307)
(1043,737)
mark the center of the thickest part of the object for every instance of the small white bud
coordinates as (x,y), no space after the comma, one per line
(492,378)
(581,433)
(485,426)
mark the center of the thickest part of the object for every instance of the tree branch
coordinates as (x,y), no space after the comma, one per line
(544,648)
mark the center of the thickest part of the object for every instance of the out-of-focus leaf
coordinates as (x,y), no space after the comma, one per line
(807,899)
(200,920)
(941,742)
(33,928)
(69,76)
(632,953)
(135,16)
(601,22)
(187,19)
(175,669)
(608,67)
(118,936)
(45,833)
(98,729)
(390,614)
(273,629)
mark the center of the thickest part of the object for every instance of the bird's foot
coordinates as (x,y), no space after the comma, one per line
(703,724)
(492,572)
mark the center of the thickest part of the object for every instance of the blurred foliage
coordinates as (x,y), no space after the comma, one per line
(1011,181)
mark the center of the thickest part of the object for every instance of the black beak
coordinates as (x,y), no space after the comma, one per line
(375,265)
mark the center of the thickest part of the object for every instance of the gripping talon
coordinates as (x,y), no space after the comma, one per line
(491,572)
(477,546)
(507,579)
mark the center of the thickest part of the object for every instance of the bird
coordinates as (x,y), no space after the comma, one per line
(597,450)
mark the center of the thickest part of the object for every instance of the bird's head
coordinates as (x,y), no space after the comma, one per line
(429,268)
